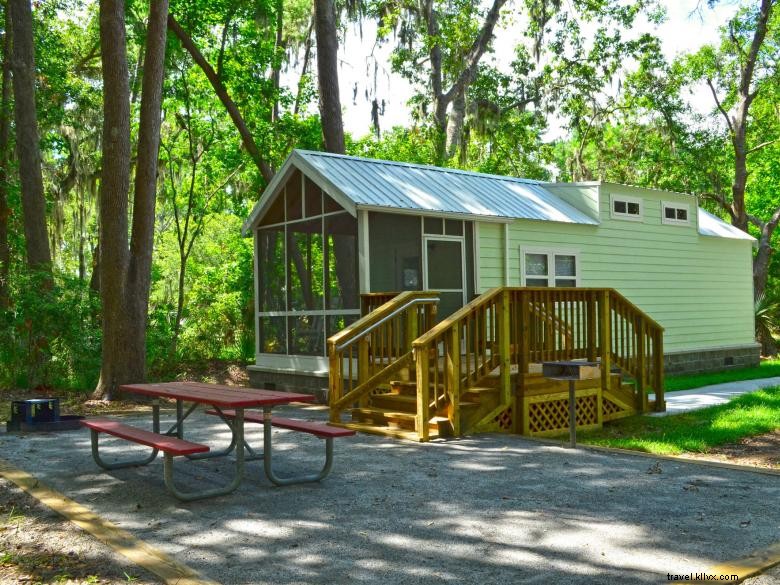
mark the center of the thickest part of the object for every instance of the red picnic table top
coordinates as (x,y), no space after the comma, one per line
(217,394)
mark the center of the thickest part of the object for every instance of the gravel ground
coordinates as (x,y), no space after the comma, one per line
(485,509)
(39,546)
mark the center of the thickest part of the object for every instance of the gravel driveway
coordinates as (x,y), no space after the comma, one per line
(483,509)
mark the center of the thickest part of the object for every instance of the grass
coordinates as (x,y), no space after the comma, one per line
(697,431)
(767,369)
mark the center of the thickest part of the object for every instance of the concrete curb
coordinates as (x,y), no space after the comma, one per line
(142,554)
(754,564)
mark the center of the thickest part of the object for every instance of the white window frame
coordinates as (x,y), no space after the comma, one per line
(626,216)
(551,254)
(673,205)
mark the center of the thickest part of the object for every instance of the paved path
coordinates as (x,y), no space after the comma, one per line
(477,510)
(686,400)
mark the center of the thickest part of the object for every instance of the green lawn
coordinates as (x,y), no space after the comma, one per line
(697,431)
(767,369)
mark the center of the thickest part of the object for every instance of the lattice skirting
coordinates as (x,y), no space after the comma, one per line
(548,414)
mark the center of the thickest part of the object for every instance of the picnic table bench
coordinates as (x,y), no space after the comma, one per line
(318,429)
(229,403)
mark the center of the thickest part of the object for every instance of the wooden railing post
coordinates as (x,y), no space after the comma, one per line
(452,377)
(412,320)
(606,340)
(524,334)
(364,366)
(423,393)
(336,379)
(504,326)
(590,328)
(641,375)
(658,381)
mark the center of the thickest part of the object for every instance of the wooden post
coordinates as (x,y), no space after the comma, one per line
(658,382)
(606,340)
(364,368)
(504,326)
(523,334)
(423,393)
(452,373)
(336,383)
(590,328)
(411,327)
(642,369)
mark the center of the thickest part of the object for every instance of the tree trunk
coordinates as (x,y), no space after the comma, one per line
(114,188)
(125,271)
(5,212)
(27,138)
(328,75)
(448,135)
(455,124)
(142,241)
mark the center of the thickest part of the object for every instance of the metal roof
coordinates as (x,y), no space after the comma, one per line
(386,184)
(364,183)
(712,225)
(380,184)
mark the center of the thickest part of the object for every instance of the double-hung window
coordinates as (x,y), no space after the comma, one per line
(549,268)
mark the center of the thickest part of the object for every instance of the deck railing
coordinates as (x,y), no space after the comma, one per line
(376,348)
(519,326)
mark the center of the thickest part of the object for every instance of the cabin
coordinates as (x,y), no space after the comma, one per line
(366,268)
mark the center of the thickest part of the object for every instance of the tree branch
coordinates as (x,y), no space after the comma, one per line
(760,146)
(230,106)
(478,49)
(720,106)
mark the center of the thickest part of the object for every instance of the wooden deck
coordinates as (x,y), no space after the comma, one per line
(394,373)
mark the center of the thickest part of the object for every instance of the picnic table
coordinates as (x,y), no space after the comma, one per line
(229,404)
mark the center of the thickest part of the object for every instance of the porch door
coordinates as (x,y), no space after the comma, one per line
(445,272)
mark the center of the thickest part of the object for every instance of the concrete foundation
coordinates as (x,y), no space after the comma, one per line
(712,360)
(305,382)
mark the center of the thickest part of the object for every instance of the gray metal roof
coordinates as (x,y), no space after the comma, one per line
(712,225)
(386,184)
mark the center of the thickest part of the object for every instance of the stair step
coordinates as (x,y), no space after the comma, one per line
(408,388)
(385,431)
(382,415)
(398,402)
(479,391)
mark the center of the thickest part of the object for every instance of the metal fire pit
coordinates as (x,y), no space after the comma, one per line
(40,415)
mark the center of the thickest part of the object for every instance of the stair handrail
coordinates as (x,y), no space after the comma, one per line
(383,338)
(386,317)
(637,349)
(465,324)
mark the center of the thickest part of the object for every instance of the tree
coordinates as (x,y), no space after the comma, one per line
(27,137)
(126,271)
(744,67)
(5,113)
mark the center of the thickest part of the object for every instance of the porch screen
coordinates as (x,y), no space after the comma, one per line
(307,271)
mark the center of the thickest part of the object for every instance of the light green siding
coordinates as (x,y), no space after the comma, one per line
(699,288)
(583,197)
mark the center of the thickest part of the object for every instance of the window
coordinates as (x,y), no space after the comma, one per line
(546,268)
(675,213)
(626,207)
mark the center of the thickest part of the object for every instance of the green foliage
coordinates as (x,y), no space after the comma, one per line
(697,431)
(217,322)
(50,337)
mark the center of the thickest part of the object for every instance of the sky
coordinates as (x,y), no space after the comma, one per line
(689,25)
